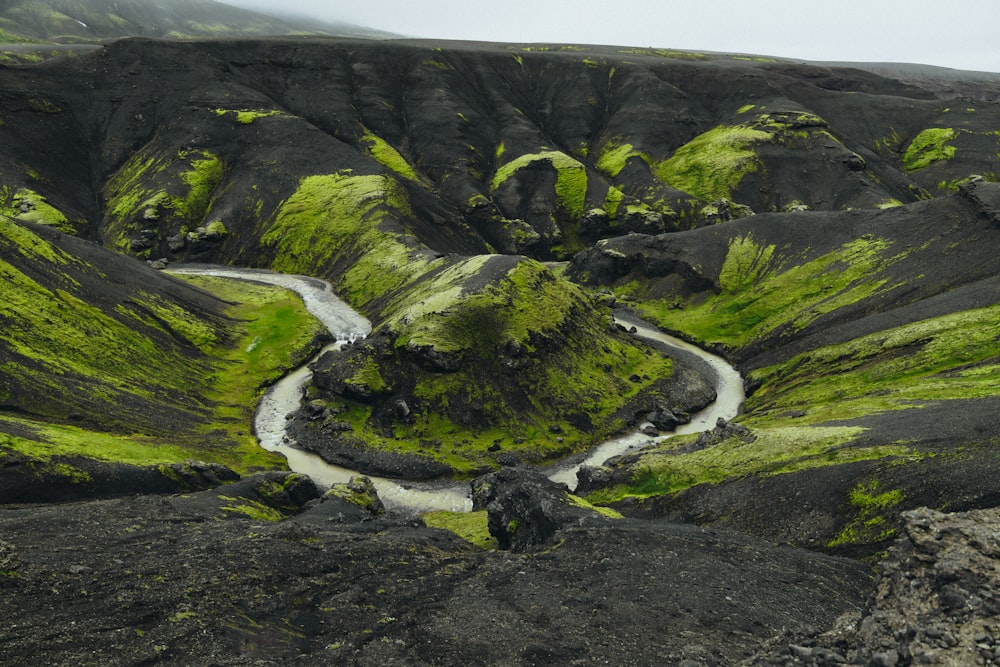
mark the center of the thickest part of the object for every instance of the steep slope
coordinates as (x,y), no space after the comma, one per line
(103,359)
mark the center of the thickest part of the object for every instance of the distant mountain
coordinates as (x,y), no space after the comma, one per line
(75,21)
(944,82)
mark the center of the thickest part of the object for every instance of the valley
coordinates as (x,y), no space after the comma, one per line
(498,217)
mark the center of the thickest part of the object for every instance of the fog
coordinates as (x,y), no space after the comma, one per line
(959,34)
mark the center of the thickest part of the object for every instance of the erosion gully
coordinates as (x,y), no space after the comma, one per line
(346,326)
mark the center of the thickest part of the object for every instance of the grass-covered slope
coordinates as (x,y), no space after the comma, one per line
(870,345)
(104,359)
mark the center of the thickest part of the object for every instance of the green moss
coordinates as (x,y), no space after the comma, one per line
(930,146)
(72,473)
(253,509)
(666,53)
(761,294)
(388,156)
(663,470)
(248,116)
(747,264)
(470,526)
(712,164)
(216,228)
(889,203)
(436,64)
(612,201)
(336,218)
(577,501)
(18,239)
(368,378)
(943,358)
(614,155)
(125,364)
(39,210)
(204,176)
(870,509)
(44,105)
(571,179)
(361,499)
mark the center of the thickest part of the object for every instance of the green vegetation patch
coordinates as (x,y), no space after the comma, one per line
(712,164)
(50,440)
(871,507)
(140,360)
(248,116)
(663,470)
(146,185)
(202,178)
(942,358)
(760,294)
(473,527)
(388,157)
(275,336)
(535,369)
(615,154)
(37,209)
(930,146)
(571,179)
(335,219)
(253,509)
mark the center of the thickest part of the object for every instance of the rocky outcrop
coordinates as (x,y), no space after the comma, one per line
(526,509)
(351,502)
(213,577)
(985,195)
(936,601)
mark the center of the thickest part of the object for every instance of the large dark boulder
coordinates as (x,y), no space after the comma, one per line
(526,509)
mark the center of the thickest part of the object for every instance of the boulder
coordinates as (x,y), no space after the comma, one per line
(354,501)
(526,509)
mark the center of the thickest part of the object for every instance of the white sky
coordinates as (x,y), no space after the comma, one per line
(964,34)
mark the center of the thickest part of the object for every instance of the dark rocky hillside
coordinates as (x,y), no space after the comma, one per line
(831,230)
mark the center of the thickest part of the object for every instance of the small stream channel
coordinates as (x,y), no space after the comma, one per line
(346,325)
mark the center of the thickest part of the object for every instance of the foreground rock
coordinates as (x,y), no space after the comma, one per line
(526,509)
(207,578)
(937,600)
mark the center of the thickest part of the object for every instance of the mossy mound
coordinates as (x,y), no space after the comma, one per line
(492,359)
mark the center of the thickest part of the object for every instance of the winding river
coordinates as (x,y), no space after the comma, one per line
(346,325)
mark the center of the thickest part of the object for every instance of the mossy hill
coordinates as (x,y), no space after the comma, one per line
(106,362)
(428,180)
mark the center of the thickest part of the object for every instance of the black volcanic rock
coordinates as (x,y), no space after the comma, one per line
(196,578)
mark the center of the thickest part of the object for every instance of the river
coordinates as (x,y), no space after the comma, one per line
(346,325)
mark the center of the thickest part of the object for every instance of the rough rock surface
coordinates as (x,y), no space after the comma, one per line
(936,601)
(204,579)
(525,508)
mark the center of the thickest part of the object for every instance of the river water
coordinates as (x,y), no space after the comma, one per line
(345,324)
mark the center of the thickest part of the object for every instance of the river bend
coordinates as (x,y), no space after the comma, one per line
(345,325)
